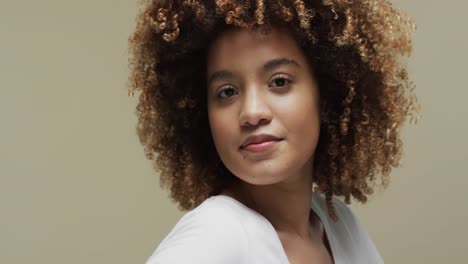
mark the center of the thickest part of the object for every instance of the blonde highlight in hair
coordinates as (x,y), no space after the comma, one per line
(304,14)
(233,11)
(259,12)
(197,8)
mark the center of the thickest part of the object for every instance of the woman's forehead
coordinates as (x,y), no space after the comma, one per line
(244,46)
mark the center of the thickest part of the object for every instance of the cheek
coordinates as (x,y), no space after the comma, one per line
(298,111)
(220,125)
(302,121)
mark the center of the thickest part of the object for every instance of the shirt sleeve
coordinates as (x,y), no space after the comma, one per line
(207,237)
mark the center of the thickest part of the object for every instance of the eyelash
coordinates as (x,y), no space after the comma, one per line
(279,76)
(284,77)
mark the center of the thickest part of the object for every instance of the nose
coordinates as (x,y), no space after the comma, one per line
(255,109)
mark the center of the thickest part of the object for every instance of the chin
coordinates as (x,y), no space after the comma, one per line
(262,177)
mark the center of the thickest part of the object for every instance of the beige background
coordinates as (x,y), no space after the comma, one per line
(76,188)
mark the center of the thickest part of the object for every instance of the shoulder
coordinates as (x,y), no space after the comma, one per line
(346,217)
(348,236)
(210,233)
(343,211)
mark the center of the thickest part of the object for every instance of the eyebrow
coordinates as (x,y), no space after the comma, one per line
(268,66)
(272,64)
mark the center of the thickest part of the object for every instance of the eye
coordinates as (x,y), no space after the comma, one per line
(280,80)
(226,92)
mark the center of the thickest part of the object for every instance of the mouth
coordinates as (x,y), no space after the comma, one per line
(259,147)
(259,143)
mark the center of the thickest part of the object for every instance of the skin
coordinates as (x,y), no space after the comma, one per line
(245,98)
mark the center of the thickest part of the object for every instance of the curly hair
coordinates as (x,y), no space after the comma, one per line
(355,48)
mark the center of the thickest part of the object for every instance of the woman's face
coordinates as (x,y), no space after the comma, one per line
(263,105)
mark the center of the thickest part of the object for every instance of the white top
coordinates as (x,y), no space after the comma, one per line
(223,230)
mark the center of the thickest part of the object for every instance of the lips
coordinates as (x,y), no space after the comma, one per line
(258,139)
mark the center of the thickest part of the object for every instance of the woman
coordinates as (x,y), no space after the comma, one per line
(258,115)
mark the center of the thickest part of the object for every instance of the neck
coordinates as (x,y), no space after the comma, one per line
(286,204)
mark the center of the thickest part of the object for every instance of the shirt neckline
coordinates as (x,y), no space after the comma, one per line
(326,227)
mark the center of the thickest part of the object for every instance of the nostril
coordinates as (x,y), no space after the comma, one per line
(255,118)
(255,122)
